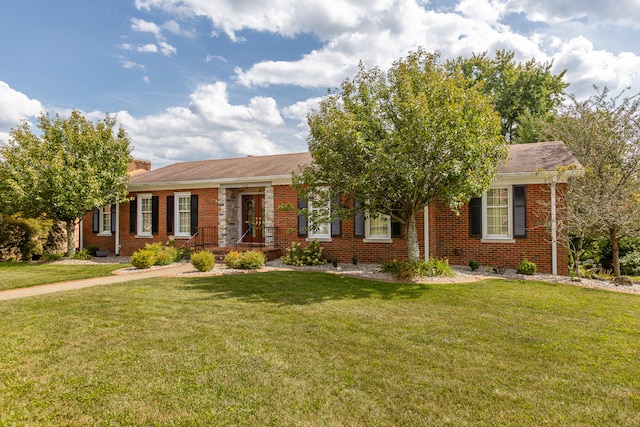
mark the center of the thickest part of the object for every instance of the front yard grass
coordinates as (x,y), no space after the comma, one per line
(22,274)
(299,348)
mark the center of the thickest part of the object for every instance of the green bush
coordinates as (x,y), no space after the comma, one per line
(23,238)
(474,265)
(92,249)
(252,260)
(82,254)
(232,259)
(203,260)
(405,270)
(527,267)
(52,256)
(143,258)
(297,255)
(630,264)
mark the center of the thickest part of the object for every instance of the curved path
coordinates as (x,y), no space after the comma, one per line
(95,281)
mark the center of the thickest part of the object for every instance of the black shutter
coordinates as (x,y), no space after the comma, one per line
(113,218)
(519,211)
(170,219)
(194,214)
(302,219)
(96,221)
(133,215)
(396,228)
(358,221)
(475,217)
(336,225)
(154,215)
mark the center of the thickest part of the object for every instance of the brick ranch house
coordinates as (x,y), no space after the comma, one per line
(249,202)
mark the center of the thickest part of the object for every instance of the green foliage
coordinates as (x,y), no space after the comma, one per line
(474,265)
(52,256)
(407,270)
(250,260)
(526,95)
(143,258)
(70,167)
(630,264)
(164,255)
(92,249)
(383,137)
(527,267)
(23,238)
(203,260)
(298,255)
(232,259)
(82,255)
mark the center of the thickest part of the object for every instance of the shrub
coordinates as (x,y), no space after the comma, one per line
(630,264)
(166,256)
(54,256)
(405,270)
(474,265)
(232,259)
(527,267)
(297,255)
(91,250)
(203,260)
(252,260)
(23,238)
(82,254)
(143,258)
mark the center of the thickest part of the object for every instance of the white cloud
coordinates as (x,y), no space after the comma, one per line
(15,106)
(143,26)
(210,128)
(167,49)
(149,47)
(131,65)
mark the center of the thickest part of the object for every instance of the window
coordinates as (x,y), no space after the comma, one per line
(498,208)
(105,220)
(145,215)
(183,217)
(500,214)
(378,227)
(321,212)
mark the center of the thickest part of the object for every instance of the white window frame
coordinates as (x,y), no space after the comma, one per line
(176,226)
(485,216)
(378,238)
(104,216)
(140,218)
(314,234)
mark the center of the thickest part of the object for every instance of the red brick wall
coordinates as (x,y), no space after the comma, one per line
(448,234)
(344,247)
(449,237)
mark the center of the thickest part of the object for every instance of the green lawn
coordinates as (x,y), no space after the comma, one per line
(22,275)
(297,348)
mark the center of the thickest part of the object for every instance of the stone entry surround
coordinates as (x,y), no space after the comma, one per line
(229,221)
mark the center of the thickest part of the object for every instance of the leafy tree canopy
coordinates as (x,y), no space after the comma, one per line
(603,132)
(524,94)
(400,140)
(70,167)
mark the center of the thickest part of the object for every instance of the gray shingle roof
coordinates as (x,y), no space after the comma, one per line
(523,158)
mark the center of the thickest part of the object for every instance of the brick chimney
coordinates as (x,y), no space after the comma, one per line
(139,166)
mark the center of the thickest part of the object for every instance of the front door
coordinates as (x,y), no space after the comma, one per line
(252,214)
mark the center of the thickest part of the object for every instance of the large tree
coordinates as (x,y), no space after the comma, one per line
(400,140)
(71,166)
(603,132)
(526,95)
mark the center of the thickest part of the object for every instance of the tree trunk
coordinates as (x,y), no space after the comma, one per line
(71,237)
(413,248)
(615,251)
(577,250)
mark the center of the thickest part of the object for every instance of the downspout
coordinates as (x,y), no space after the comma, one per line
(426,232)
(117,248)
(554,230)
(81,235)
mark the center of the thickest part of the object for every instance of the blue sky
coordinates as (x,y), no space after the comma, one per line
(204,79)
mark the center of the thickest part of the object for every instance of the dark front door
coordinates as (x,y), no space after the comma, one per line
(252,214)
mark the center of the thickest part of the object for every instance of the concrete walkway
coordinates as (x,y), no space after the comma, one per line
(96,281)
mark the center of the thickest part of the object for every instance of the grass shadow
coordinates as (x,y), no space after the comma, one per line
(300,288)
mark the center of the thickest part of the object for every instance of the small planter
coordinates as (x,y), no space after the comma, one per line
(102,253)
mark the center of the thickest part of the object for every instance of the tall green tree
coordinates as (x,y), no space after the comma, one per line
(603,132)
(400,140)
(71,166)
(526,95)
